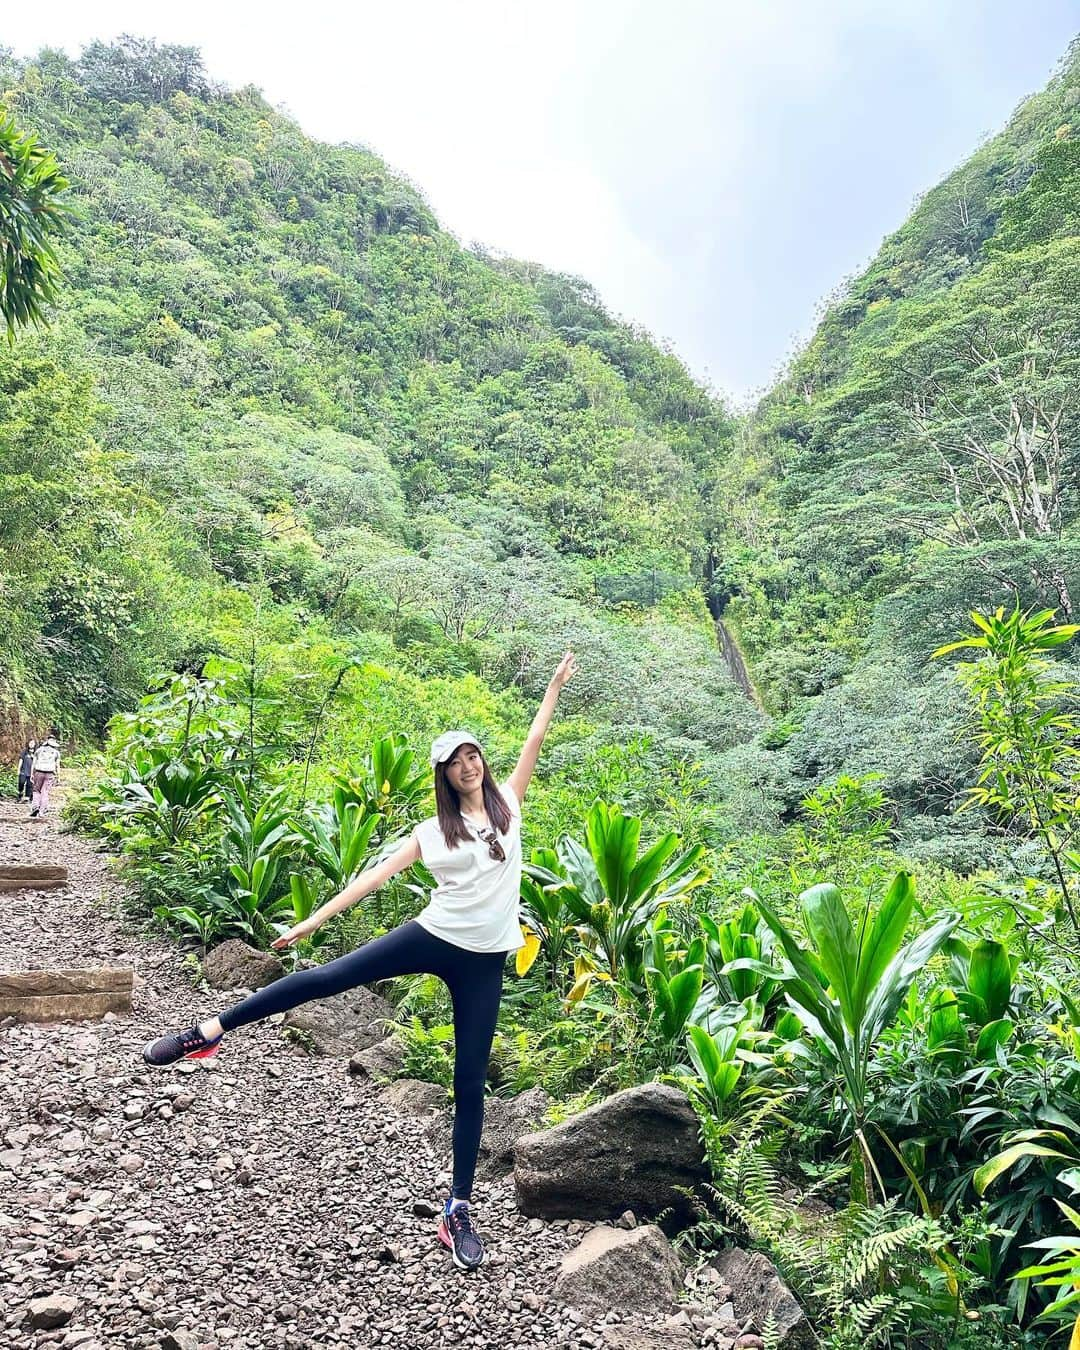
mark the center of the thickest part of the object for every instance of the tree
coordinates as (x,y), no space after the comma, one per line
(32,214)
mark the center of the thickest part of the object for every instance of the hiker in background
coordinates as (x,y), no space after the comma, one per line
(26,763)
(43,772)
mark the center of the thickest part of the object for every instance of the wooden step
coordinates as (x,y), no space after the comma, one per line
(65,995)
(31,876)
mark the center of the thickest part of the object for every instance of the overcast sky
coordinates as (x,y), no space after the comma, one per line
(713,168)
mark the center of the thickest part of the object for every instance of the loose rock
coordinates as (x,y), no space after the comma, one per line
(54,1310)
(235,965)
(758,1293)
(612,1268)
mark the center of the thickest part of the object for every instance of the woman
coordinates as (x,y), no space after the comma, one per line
(26,765)
(44,771)
(473,848)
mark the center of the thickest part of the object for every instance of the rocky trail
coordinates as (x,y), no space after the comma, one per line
(261,1199)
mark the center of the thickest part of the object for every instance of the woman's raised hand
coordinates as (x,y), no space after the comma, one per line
(296,934)
(566,669)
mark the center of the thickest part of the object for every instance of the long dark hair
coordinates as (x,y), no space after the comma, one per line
(448,805)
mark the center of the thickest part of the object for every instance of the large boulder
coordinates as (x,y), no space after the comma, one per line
(632,1151)
(235,965)
(506,1119)
(757,1291)
(343,1024)
(635,1270)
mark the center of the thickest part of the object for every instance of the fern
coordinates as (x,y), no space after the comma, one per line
(425,1052)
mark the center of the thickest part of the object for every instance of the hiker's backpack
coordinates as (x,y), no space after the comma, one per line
(47,757)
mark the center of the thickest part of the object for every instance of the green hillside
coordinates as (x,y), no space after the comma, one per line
(278,401)
(918,459)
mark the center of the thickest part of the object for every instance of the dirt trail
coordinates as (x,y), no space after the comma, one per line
(262,1199)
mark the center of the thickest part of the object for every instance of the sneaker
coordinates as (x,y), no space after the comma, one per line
(457,1233)
(33,811)
(188,1044)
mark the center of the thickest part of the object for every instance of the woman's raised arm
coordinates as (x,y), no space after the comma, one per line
(369,880)
(530,752)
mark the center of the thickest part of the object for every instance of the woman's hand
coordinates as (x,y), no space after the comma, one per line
(297,934)
(567,668)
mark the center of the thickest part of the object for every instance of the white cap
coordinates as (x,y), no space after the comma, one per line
(442,747)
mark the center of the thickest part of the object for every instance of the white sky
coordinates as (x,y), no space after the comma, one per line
(713,168)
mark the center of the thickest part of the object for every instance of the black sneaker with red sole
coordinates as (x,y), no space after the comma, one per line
(177,1045)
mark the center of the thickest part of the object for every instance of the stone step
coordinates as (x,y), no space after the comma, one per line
(31,876)
(65,995)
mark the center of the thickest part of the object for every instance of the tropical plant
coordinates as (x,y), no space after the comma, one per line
(673,980)
(549,927)
(716,1060)
(169,798)
(202,923)
(612,893)
(251,847)
(1061,1272)
(1030,742)
(846,821)
(744,938)
(390,784)
(32,214)
(849,984)
(338,843)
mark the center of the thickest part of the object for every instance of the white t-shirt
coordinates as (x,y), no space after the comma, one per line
(475,903)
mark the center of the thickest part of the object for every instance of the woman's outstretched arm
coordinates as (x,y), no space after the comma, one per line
(530,752)
(369,880)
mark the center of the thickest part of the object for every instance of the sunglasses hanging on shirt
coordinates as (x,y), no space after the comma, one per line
(489,837)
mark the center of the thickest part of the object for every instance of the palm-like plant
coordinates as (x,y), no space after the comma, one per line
(674,978)
(848,985)
(549,926)
(391,784)
(338,844)
(169,797)
(612,894)
(252,842)
(32,212)
(736,950)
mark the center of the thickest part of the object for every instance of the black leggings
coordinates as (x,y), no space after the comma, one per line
(475,983)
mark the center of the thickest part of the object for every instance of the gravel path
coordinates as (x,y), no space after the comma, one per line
(258,1200)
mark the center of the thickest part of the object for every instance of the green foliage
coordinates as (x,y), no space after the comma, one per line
(1061,1272)
(427,1056)
(338,843)
(1030,741)
(848,985)
(613,892)
(33,213)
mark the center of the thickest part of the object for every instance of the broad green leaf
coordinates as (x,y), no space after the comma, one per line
(836,946)
(885,935)
(990,977)
(989,1172)
(993,1035)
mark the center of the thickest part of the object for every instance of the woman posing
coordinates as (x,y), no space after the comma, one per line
(472,846)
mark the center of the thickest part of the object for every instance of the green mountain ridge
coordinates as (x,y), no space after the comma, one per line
(278,399)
